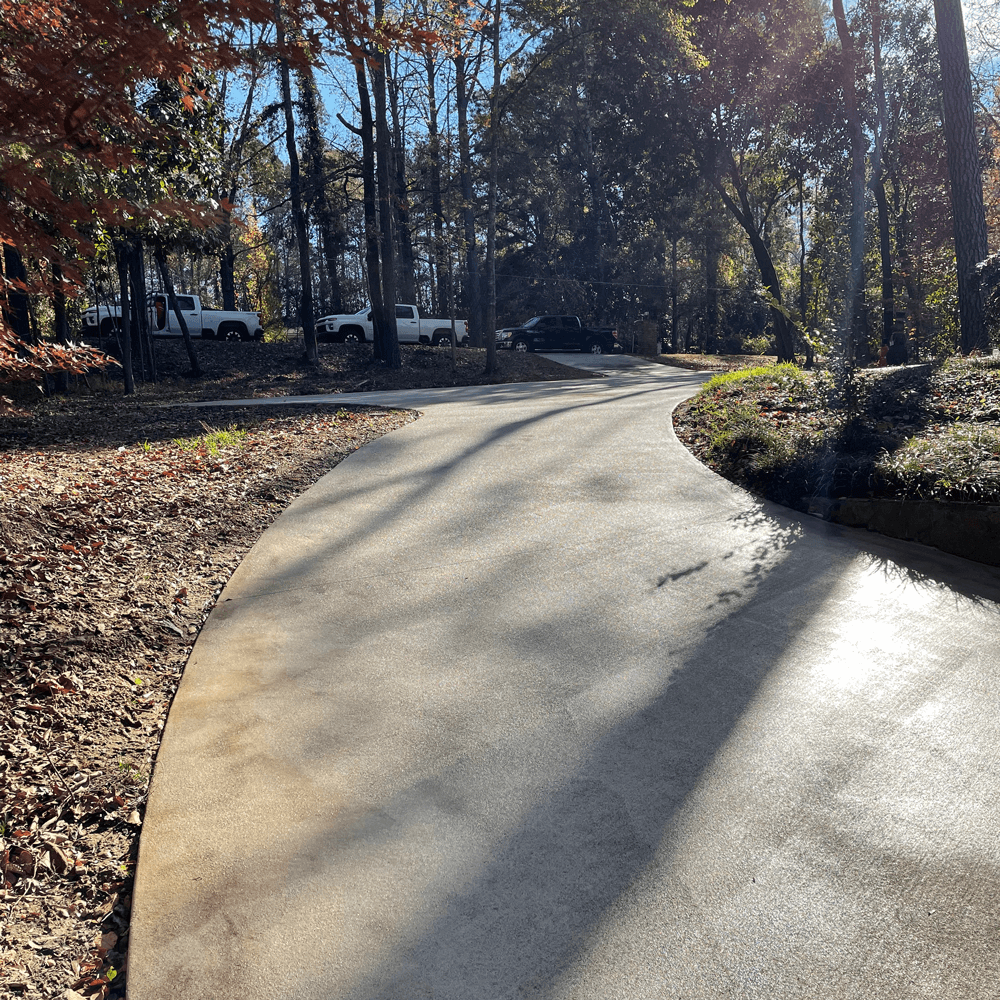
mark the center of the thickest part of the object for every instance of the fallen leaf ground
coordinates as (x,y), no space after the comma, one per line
(121,519)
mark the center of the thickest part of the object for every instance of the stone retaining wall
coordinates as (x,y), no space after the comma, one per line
(964,529)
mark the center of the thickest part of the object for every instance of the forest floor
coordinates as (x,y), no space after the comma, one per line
(924,432)
(121,519)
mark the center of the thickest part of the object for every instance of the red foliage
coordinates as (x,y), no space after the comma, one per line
(67,121)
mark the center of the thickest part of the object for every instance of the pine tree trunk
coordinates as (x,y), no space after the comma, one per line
(878,182)
(383,161)
(473,296)
(441,267)
(298,213)
(603,233)
(227,267)
(140,315)
(964,170)
(711,290)
(16,307)
(326,220)
(406,280)
(125,332)
(491,198)
(231,178)
(373,263)
(855,281)
(674,286)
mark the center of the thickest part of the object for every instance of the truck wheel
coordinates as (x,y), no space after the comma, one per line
(595,347)
(442,338)
(521,345)
(233,331)
(110,327)
(353,335)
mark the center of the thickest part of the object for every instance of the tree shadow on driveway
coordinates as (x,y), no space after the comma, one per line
(477,824)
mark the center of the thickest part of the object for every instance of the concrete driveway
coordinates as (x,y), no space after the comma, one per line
(523,701)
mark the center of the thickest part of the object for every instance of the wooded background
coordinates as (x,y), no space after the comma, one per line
(790,176)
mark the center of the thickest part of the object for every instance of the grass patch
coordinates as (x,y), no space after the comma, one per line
(213,441)
(782,375)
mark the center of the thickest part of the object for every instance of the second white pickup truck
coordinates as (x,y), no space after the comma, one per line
(214,324)
(411,328)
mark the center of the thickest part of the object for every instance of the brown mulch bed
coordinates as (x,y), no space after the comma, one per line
(251,371)
(120,522)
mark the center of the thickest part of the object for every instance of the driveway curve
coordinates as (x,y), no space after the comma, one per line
(523,701)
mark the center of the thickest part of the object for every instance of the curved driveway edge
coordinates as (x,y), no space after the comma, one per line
(522,700)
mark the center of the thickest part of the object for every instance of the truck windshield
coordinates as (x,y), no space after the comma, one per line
(534,321)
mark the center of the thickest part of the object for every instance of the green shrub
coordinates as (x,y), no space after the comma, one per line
(758,345)
(961,462)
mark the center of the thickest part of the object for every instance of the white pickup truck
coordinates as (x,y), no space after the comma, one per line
(211,324)
(411,328)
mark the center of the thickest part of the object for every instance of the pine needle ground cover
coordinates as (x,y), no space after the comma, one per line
(927,432)
(120,522)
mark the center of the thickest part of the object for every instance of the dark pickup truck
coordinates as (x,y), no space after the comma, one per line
(556,333)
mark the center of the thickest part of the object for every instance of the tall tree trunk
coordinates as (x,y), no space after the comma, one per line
(140,315)
(742,212)
(908,267)
(603,233)
(330,230)
(59,305)
(373,264)
(674,288)
(491,196)
(406,280)
(16,307)
(878,181)
(855,280)
(231,180)
(121,260)
(964,170)
(803,302)
(711,289)
(295,187)
(227,264)
(61,320)
(473,294)
(168,288)
(441,267)
(383,159)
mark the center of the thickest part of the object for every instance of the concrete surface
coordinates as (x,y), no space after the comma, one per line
(523,701)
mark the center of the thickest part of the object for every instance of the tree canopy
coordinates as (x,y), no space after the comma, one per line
(692,164)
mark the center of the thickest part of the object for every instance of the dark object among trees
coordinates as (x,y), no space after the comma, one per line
(964,170)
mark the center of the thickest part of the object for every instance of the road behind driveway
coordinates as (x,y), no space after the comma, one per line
(521,700)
